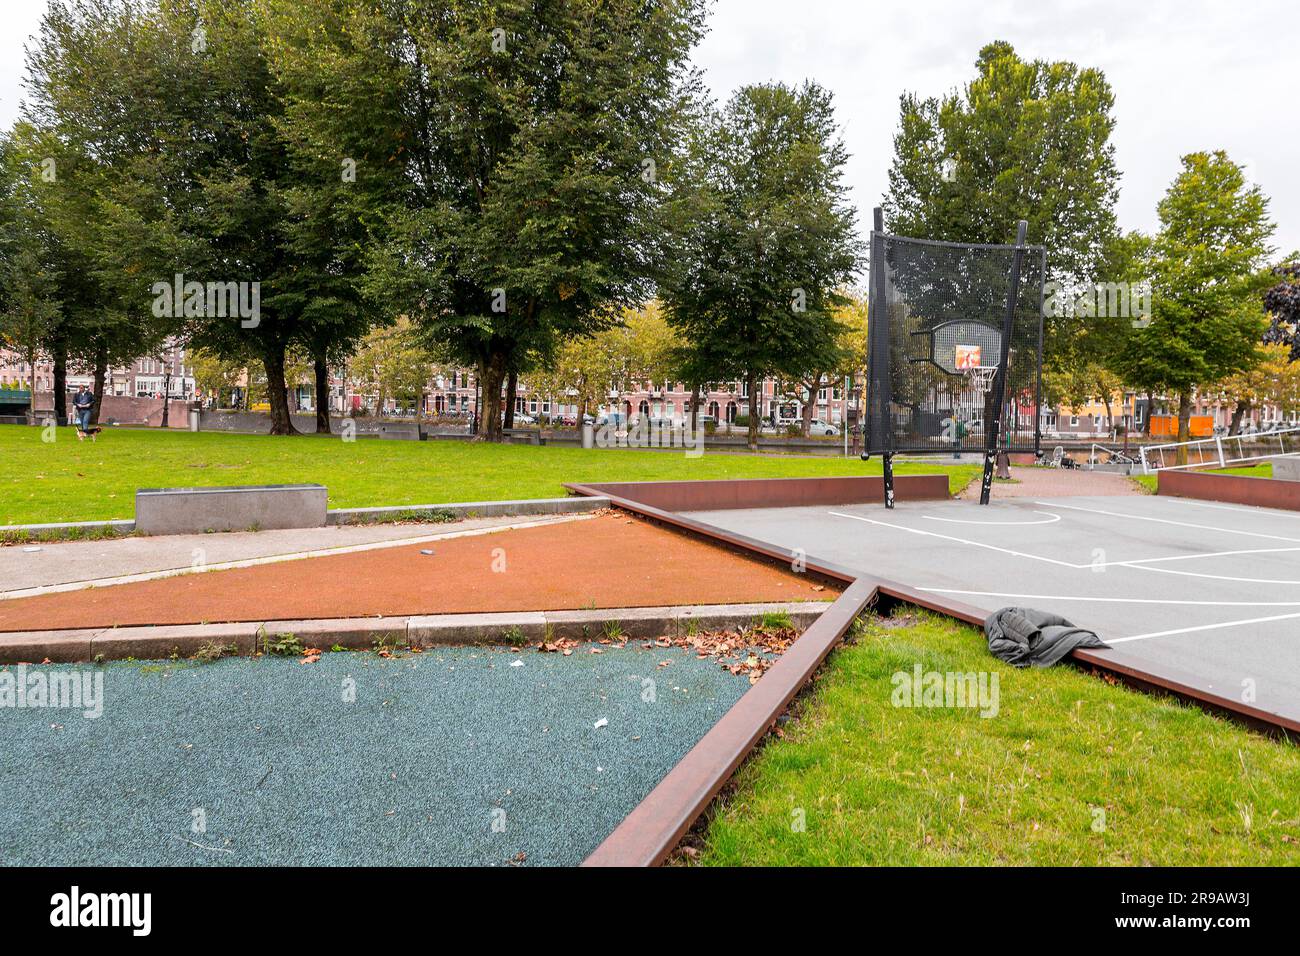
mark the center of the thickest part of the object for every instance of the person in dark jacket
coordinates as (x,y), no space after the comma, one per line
(83,403)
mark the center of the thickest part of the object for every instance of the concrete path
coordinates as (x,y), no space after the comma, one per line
(1040,482)
(53,563)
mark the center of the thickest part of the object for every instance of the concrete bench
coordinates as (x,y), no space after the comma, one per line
(239,508)
(401,431)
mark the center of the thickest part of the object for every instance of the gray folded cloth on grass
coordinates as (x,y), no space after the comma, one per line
(1025,637)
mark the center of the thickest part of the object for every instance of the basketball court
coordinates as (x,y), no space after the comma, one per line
(1192,589)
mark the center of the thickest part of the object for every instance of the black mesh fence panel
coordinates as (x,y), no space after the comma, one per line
(937,316)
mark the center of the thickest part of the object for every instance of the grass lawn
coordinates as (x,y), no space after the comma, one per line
(879,784)
(1263,470)
(67,480)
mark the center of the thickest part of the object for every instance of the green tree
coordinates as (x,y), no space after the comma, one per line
(1208,276)
(1024,140)
(87,122)
(29,279)
(763,237)
(393,363)
(510,149)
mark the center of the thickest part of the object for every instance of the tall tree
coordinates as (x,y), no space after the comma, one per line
(763,236)
(511,150)
(1207,282)
(89,118)
(30,305)
(1024,140)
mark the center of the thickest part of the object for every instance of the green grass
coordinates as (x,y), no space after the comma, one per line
(878,784)
(67,480)
(1262,470)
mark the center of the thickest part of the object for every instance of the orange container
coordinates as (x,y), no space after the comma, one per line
(1166,426)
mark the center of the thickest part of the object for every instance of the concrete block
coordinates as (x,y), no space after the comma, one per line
(352,633)
(1286,469)
(33,647)
(633,622)
(431,629)
(183,640)
(237,508)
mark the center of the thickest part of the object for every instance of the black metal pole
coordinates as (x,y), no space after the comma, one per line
(878,372)
(1000,379)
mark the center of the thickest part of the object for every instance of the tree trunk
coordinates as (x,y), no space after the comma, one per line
(1151,410)
(810,406)
(277,392)
(492,373)
(59,352)
(167,398)
(31,393)
(1184,424)
(512,390)
(322,370)
(1243,406)
(695,406)
(101,375)
(753,411)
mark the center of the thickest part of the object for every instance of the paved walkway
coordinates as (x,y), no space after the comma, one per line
(1040,482)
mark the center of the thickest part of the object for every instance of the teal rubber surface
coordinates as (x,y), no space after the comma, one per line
(449,757)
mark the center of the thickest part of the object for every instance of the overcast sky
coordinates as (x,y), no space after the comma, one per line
(1187,75)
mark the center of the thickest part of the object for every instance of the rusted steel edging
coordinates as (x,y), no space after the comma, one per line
(655,826)
(1233,489)
(732,539)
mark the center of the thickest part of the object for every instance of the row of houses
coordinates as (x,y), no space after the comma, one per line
(453,393)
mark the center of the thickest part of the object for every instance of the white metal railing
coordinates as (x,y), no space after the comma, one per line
(1114,456)
(1221,450)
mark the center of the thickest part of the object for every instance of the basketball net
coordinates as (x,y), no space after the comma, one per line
(981,377)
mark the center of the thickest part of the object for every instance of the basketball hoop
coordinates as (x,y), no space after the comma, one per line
(981,377)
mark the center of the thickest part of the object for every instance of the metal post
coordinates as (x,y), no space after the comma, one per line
(878,332)
(844,413)
(1000,380)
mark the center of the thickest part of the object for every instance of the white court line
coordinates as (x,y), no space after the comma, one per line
(1181,524)
(1259,510)
(1136,563)
(277,558)
(1190,557)
(1050,518)
(948,537)
(1202,627)
(1110,600)
(1214,577)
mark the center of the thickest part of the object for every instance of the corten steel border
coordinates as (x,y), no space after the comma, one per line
(773,492)
(1234,489)
(657,824)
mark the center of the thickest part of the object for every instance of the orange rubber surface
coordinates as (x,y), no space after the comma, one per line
(611,560)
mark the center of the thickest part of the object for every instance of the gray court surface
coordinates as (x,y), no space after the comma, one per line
(450,757)
(1200,591)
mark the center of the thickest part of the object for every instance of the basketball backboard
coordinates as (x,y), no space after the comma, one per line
(959,345)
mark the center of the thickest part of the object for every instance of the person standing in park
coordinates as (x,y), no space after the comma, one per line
(83,403)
